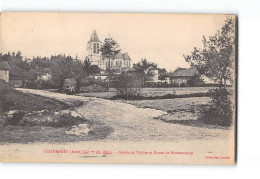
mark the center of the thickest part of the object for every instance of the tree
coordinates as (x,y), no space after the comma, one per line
(63,67)
(215,60)
(18,66)
(144,64)
(90,69)
(128,85)
(86,64)
(109,49)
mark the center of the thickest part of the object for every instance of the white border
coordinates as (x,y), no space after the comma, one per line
(248,112)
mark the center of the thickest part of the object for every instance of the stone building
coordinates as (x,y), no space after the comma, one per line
(119,61)
(4,70)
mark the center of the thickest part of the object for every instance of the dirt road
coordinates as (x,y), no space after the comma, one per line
(132,123)
(135,130)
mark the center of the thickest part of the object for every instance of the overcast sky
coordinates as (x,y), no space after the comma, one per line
(161,38)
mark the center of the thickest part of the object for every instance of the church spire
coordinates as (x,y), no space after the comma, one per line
(94,37)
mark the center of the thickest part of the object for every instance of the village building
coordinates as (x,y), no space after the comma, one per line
(119,61)
(181,76)
(152,74)
(4,70)
(45,75)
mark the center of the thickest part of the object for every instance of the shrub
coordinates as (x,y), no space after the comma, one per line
(88,85)
(220,112)
(17,116)
(4,103)
(128,85)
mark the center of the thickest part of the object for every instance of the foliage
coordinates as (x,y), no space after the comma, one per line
(144,64)
(90,69)
(215,59)
(220,113)
(128,85)
(87,85)
(195,81)
(18,66)
(60,67)
(109,48)
(4,103)
(64,67)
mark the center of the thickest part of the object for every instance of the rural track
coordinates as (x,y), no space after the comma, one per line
(130,122)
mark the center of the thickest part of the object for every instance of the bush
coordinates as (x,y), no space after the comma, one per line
(128,85)
(4,103)
(88,85)
(17,116)
(220,112)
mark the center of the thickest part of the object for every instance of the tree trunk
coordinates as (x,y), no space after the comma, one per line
(225,83)
(220,83)
(108,72)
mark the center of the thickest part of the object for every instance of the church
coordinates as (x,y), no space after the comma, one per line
(121,61)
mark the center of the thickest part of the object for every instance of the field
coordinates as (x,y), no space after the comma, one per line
(152,91)
(135,120)
(37,108)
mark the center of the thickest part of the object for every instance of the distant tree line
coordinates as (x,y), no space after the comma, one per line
(60,66)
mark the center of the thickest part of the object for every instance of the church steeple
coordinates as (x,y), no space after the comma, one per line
(94,37)
(93,48)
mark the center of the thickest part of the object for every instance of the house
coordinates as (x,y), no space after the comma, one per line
(102,77)
(181,75)
(4,71)
(152,74)
(69,86)
(45,75)
(117,62)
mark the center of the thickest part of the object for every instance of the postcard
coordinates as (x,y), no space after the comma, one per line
(149,88)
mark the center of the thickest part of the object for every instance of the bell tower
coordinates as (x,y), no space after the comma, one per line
(93,48)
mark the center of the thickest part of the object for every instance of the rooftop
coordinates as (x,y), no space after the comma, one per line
(184,72)
(94,37)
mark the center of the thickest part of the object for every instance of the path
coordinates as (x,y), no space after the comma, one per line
(132,123)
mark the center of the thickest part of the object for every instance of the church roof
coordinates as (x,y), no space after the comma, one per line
(94,37)
(4,65)
(119,55)
(126,57)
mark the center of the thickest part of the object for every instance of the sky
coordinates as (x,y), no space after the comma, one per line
(160,38)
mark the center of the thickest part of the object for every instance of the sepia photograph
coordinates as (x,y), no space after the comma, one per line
(146,88)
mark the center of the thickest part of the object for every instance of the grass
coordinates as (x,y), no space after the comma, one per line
(33,127)
(183,111)
(167,96)
(29,134)
(28,103)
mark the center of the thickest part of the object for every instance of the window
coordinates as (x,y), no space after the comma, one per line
(97,49)
(94,48)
